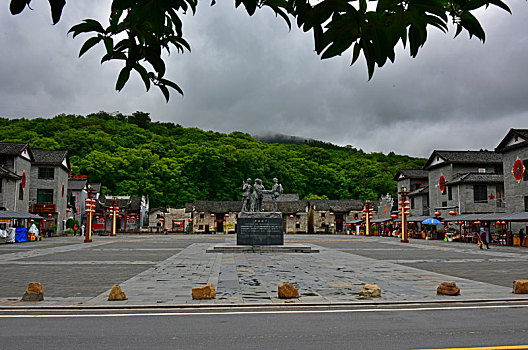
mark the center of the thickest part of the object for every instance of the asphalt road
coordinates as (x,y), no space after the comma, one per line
(383,327)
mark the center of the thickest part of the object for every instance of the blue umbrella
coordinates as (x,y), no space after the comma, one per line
(431,221)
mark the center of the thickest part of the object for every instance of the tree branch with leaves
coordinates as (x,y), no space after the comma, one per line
(139,31)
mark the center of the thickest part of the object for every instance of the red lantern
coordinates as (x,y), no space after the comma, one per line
(437,213)
(452,212)
(49,216)
(331,213)
(406,202)
(504,222)
(31,220)
(394,216)
(212,215)
(190,220)
(226,215)
(291,216)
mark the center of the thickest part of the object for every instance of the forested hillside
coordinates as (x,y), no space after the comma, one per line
(175,165)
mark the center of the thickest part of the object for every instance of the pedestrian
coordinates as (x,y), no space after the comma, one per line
(74,229)
(484,238)
(82,230)
(521,237)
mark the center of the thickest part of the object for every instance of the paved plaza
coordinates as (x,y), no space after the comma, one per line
(161,270)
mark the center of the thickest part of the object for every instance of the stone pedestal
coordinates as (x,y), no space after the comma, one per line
(260,228)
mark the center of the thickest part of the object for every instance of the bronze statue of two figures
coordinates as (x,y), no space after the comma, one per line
(252,195)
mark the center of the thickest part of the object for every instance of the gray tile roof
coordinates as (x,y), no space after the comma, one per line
(49,157)
(338,206)
(411,174)
(419,192)
(15,149)
(76,184)
(129,203)
(523,133)
(6,173)
(214,206)
(12,148)
(466,157)
(477,178)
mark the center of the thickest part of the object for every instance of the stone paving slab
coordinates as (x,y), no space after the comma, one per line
(253,278)
(334,275)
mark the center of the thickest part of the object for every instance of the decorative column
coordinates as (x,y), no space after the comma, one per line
(404,212)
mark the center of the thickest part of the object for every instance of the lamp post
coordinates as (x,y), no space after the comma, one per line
(367,216)
(114,211)
(90,209)
(404,212)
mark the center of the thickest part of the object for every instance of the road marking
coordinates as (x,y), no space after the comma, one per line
(267,312)
(510,347)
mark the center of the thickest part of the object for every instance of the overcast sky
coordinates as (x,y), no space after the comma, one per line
(253,75)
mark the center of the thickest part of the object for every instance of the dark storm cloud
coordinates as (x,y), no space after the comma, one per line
(252,74)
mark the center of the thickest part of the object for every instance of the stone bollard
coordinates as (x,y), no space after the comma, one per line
(205,292)
(288,291)
(520,287)
(448,288)
(370,291)
(117,293)
(33,292)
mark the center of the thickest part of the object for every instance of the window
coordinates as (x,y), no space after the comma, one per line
(1,183)
(525,176)
(412,202)
(44,196)
(323,215)
(498,169)
(297,216)
(202,215)
(480,193)
(297,225)
(444,204)
(46,173)
(525,203)
(450,193)
(21,192)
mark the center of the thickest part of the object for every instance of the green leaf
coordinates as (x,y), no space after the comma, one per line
(17,6)
(144,75)
(472,25)
(109,44)
(357,51)
(88,44)
(172,85)
(165,92)
(124,75)
(56,9)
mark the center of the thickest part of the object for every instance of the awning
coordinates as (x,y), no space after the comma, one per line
(477,217)
(9,214)
(417,218)
(522,216)
(355,222)
(377,221)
